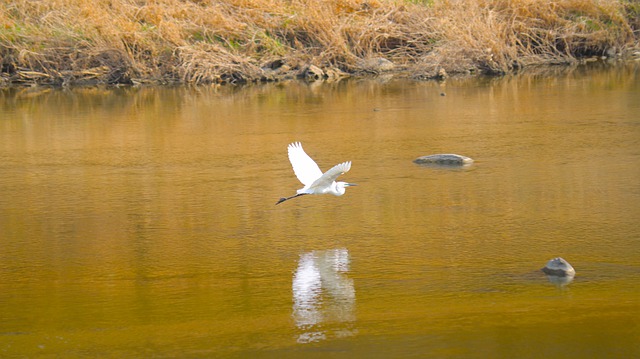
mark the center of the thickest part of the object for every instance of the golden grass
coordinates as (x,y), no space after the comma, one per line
(64,42)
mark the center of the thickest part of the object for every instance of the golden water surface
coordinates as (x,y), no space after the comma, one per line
(141,222)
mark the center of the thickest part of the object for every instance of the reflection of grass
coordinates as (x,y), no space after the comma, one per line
(209,41)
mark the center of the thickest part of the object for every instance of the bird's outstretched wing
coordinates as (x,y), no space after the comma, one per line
(304,167)
(328,177)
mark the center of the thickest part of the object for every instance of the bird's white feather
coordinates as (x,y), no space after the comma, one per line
(330,176)
(308,172)
(304,167)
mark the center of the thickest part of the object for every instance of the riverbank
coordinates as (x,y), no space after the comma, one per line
(80,42)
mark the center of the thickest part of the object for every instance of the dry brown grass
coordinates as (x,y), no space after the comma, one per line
(500,36)
(202,41)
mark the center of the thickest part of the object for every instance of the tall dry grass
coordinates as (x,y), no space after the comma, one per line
(500,36)
(202,41)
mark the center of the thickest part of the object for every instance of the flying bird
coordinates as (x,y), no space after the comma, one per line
(314,181)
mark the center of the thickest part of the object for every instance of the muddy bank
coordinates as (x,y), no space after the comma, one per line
(276,71)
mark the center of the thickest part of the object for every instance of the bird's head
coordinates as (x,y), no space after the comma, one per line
(340,186)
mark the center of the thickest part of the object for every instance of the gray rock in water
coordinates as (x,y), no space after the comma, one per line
(444,159)
(559,267)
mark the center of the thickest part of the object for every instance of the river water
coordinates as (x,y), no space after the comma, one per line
(141,222)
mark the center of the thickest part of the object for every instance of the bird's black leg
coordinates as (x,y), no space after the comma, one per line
(288,198)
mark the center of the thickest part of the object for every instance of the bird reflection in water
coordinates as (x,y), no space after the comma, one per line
(323,296)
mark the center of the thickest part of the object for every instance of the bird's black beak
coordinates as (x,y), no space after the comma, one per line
(350,184)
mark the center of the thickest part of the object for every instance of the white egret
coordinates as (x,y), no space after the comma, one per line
(314,181)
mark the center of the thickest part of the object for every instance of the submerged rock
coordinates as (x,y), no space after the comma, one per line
(312,73)
(560,281)
(442,75)
(559,267)
(335,74)
(448,159)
